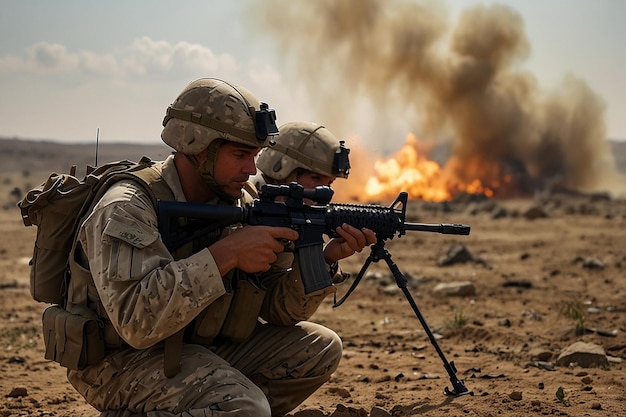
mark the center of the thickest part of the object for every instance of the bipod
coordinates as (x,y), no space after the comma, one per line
(378,252)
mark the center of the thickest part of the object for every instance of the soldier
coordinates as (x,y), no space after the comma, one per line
(311,155)
(181,329)
(304,152)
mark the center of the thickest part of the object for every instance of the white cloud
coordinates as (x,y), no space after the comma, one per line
(41,58)
(194,57)
(94,63)
(124,91)
(144,56)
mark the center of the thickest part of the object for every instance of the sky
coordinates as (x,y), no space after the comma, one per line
(72,68)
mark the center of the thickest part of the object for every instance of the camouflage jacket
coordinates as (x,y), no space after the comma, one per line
(125,273)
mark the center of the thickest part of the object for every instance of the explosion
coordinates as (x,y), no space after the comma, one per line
(460,82)
(424,179)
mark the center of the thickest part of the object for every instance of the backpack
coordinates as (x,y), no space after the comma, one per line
(57,208)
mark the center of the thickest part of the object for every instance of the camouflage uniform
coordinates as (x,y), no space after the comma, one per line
(149,295)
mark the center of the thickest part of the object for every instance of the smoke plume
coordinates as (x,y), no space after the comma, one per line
(461,82)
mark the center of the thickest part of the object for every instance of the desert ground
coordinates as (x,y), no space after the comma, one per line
(534,277)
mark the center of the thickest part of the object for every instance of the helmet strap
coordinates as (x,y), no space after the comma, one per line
(206,171)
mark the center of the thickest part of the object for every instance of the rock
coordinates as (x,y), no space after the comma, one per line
(309,413)
(458,289)
(546,366)
(516,395)
(18,392)
(379,412)
(522,283)
(541,354)
(498,212)
(593,263)
(456,254)
(343,411)
(391,289)
(342,392)
(585,355)
(535,212)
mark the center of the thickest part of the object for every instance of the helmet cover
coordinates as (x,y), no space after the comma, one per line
(304,145)
(209,109)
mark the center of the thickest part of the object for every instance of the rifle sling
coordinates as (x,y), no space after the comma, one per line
(352,287)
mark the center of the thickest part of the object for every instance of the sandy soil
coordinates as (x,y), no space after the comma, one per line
(535,283)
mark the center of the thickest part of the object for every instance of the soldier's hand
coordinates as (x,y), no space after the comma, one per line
(351,240)
(251,248)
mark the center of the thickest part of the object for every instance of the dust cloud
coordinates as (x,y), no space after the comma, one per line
(461,83)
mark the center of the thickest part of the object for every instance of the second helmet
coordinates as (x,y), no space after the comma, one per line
(305,145)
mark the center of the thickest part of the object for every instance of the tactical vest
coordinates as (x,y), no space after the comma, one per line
(233,316)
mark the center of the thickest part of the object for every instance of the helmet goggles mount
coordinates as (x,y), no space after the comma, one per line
(265,122)
(341,162)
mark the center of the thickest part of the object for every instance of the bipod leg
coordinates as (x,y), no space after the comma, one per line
(458,387)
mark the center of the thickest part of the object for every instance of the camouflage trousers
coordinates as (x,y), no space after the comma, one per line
(271,373)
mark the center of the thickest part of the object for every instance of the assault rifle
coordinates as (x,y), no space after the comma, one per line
(310,221)
(181,223)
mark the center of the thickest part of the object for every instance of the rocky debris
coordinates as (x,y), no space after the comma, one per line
(342,392)
(541,354)
(457,254)
(585,355)
(309,413)
(454,289)
(535,212)
(379,412)
(587,380)
(18,392)
(602,332)
(484,206)
(593,263)
(521,283)
(516,395)
(343,411)
(498,212)
(546,366)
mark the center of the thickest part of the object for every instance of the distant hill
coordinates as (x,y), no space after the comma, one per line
(19,155)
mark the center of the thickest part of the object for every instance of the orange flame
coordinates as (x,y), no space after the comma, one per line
(411,171)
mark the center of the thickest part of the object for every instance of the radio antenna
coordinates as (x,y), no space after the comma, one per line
(97,139)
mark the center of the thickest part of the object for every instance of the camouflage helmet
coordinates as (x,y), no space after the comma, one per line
(209,109)
(304,145)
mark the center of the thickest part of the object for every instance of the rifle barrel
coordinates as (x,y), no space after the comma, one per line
(446,229)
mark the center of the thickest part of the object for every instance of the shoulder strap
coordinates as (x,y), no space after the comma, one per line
(151,173)
(147,173)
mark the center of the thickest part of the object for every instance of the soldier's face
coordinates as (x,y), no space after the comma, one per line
(310,179)
(233,166)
